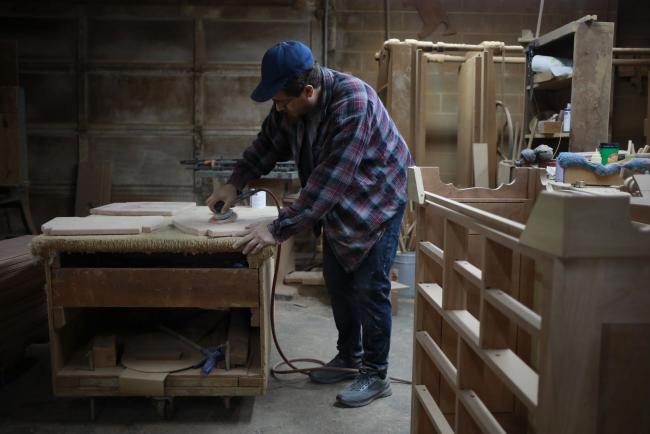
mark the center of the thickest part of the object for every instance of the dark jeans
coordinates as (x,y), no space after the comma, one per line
(361,300)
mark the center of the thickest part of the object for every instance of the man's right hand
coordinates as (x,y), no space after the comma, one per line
(225,193)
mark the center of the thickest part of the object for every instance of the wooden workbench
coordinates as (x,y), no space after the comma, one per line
(165,269)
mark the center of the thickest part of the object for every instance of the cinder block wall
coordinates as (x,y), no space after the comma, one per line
(146,83)
(360,34)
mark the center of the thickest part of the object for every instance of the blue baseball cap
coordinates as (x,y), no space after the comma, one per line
(280,63)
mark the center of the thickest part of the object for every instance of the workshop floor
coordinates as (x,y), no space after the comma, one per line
(305,329)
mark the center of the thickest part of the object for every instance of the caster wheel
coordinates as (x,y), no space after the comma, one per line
(164,407)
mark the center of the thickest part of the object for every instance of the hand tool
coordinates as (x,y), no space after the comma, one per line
(228,214)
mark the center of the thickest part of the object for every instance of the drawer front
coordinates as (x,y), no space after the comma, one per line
(208,288)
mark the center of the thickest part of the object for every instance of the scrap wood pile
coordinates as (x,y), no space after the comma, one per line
(23,316)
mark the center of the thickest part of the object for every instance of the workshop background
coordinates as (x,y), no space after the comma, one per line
(145,84)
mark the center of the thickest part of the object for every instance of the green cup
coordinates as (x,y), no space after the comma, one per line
(608,153)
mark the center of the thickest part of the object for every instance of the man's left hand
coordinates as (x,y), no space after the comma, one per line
(256,239)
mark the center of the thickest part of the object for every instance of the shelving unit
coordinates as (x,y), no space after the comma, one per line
(589,44)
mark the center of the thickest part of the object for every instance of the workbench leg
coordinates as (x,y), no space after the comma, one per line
(164,407)
(226,401)
(93,412)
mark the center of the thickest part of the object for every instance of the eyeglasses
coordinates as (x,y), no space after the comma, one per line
(280,104)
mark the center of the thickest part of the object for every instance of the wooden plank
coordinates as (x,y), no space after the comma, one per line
(592,84)
(420,112)
(479,412)
(238,335)
(432,410)
(468,118)
(470,272)
(517,375)
(563,31)
(155,287)
(495,221)
(489,115)
(102,225)
(480,161)
(455,246)
(465,324)
(438,357)
(513,309)
(432,251)
(94,183)
(144,208)
(198,221)
(510,369)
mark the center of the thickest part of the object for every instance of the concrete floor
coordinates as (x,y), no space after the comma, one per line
(305,329)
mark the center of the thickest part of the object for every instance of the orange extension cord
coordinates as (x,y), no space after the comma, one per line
(290,362)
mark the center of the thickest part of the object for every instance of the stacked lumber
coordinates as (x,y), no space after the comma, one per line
(23,315)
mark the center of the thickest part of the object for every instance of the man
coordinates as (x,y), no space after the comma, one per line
(352,164)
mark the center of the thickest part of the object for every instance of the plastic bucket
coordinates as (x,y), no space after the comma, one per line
(404,265)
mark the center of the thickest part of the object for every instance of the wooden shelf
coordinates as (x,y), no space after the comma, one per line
(432,410)
(432,251)
(438,357)
(470,272)
(554,84)
(513,309)
(479,412)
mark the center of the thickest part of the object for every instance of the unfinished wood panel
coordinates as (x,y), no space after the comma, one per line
(593,299)
(41,38)
(144,160)
(238,335)
(157,99)
(624,371)
(8,63)
(474,375)
(469,98)
(60,151)
(112,40)
(590,94)
(455,248)
(94,180)
(226,43)
(227,146)
(13,166)
(154,287)
(50,97)
(228,103)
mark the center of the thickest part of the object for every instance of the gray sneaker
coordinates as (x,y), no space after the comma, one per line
(366,388)
(328,377)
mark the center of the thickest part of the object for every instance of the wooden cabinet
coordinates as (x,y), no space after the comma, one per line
(588,43)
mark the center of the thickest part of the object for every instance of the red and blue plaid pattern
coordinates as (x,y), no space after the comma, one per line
(359,177)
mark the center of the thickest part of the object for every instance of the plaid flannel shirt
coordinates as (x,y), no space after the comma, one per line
(359,177)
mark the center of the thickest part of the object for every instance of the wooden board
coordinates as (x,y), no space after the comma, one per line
(208,288)
(144,208)
(102,225)
(197,221)
(13,164)
(94,181)
(480,159)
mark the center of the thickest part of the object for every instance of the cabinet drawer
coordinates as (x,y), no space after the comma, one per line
(207,288)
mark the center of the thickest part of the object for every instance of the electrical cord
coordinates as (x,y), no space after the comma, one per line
(290,362)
